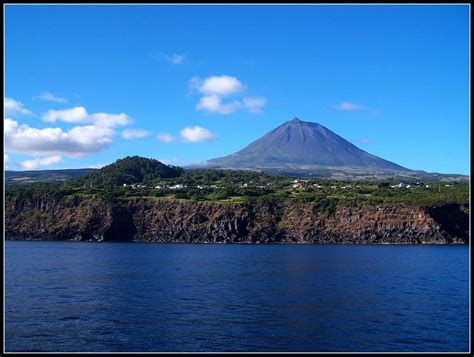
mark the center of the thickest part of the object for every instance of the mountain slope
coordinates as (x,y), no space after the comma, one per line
(303,143)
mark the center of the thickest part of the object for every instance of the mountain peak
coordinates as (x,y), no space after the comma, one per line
(297,142)
(298,121)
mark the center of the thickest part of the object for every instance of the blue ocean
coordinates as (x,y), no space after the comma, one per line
(73,296)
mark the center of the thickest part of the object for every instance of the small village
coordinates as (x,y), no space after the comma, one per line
(296,184)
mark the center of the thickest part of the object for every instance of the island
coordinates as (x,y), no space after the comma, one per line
(137,199)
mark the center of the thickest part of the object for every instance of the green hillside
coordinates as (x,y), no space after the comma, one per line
(129,170)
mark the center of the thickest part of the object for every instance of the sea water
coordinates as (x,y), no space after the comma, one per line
(73,296)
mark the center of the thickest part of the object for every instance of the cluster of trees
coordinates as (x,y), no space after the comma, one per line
(132,169)
(224,177)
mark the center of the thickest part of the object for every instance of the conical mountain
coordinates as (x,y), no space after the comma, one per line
(297,142)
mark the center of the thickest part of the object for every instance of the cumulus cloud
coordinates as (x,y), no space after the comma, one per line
(218,85)
(73,115)
(76,142)
(214,88)
(80,115)
(135,134)
(353,107)
(110,120)
(14,107)
(165,138)
(50,97)
(213,104)
(39,162)
(196,134)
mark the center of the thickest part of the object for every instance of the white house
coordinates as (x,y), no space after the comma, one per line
(177,186)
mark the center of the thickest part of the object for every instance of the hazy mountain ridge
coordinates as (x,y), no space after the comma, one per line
(20,177)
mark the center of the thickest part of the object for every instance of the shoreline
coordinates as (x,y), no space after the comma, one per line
(240,243)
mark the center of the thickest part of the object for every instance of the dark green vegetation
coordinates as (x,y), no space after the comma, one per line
(132,169)
(140,177)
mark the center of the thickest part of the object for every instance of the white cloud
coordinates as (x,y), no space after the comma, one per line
(50,97)
(165,138)
(196,134)
(135,134)
(254,104)
(353,107)
(79,115)
(173,161)
(110,120)
(73,115)
(77,142)
(38,162)
(173,58)
(347,106)
(6,160)
(214,88)
(364,141)
(14,107)
(213,104)
(194,84)
(98,166)
(219,85)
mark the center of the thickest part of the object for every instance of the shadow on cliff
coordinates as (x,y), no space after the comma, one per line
(122,228)
(453,219)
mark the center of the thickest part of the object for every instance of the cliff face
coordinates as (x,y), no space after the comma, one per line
(161,220)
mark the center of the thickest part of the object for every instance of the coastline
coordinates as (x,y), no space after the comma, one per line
(172,221)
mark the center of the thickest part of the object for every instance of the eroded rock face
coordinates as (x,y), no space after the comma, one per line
(162,220)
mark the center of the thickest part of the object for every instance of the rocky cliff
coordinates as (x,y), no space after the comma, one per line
(163,220)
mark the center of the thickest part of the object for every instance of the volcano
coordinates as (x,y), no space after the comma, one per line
(301,143)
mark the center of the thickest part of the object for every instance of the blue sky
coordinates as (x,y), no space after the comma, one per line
(86,85)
